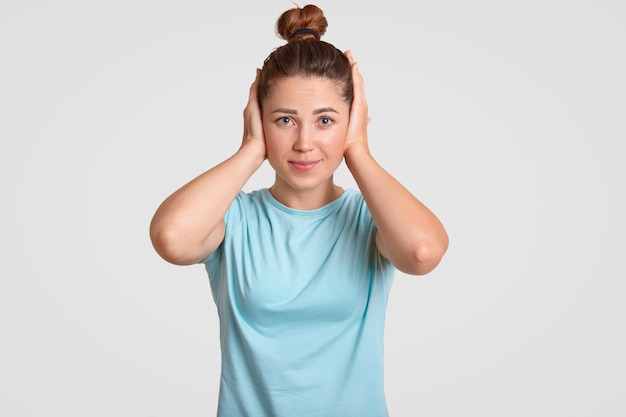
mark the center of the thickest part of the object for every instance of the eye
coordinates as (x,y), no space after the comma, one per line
(284,120)
(325,121)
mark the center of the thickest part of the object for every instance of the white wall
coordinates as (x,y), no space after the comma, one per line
(507,120)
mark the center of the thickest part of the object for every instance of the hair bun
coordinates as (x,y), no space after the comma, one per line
(307,23)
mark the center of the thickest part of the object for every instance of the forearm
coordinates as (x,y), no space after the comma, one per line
(186,219)
(409,234)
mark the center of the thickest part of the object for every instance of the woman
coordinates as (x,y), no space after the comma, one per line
(300,272)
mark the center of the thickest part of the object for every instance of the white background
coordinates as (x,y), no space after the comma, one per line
(505,118)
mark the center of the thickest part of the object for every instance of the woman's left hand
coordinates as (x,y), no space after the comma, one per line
(359,119)
(407,232)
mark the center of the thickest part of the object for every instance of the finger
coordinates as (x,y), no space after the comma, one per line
(348,55)
(357,79)
(252,110)
(254,85)
(358,85)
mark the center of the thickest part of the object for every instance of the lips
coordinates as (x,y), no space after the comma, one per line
(303,166)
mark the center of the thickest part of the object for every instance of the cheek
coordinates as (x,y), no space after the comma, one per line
(269,133)
(337,141)
(276,142)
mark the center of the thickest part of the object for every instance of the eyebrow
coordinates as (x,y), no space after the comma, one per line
(317,111)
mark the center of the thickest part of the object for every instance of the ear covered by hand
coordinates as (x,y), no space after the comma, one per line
(252,122)
(359,119)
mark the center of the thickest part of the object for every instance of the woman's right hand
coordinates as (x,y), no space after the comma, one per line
(252,123)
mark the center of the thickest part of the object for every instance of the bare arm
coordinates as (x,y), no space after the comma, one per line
(189,224)
(408,233)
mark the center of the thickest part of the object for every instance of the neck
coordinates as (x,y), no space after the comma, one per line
(305,199)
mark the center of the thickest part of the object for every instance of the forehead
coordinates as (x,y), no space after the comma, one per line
(305,91)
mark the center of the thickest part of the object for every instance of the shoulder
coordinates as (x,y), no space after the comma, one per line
(245,204)
(353,202)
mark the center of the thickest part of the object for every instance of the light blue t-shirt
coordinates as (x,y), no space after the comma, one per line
(301,296)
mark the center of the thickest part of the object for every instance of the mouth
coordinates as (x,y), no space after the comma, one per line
(303,166)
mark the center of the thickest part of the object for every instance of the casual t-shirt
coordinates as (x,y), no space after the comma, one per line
(301,296)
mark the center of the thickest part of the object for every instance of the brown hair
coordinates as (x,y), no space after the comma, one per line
(304,54)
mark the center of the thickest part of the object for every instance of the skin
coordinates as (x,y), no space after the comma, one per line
(305,124)
(303,120)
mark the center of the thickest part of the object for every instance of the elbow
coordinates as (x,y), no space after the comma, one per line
(426,257)
(166,243)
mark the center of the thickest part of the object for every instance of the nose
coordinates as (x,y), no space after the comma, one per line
(304,141)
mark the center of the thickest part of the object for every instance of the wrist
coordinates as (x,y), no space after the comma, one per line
(355,153)
(254,148)
(254,151)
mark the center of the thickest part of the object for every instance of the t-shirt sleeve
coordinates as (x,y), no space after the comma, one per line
(234,216)
(380,260)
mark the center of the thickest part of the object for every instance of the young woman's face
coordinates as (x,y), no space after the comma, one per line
(305,121)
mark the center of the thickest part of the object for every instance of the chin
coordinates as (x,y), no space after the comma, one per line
(305,182)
